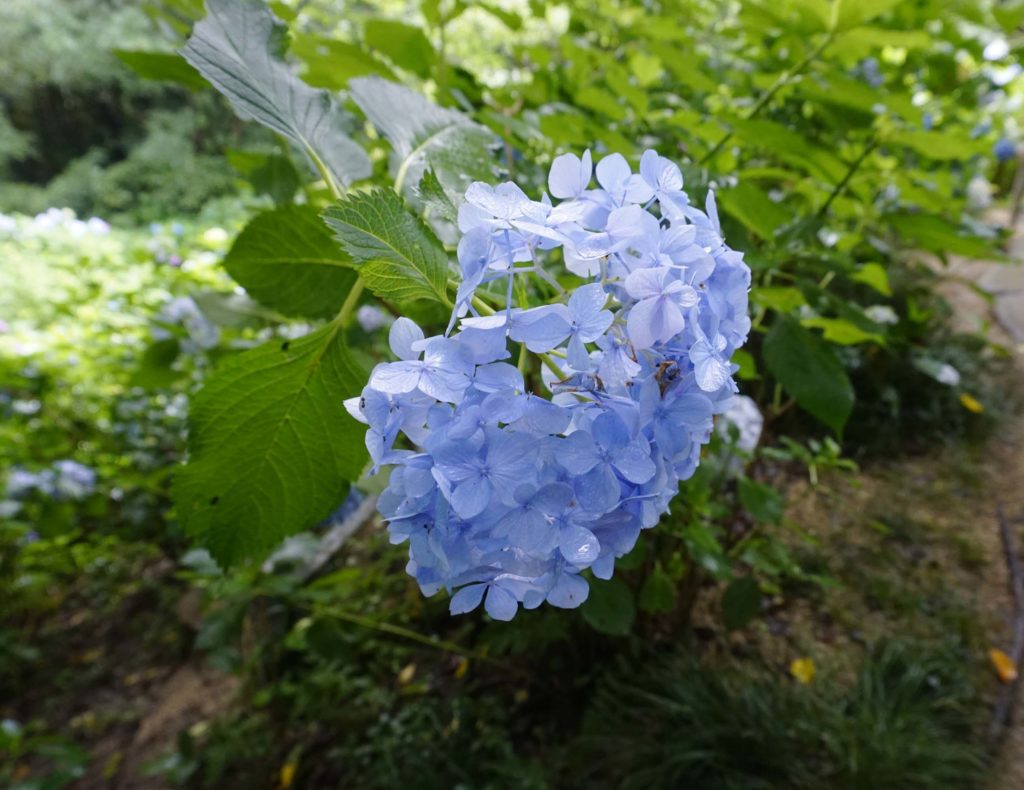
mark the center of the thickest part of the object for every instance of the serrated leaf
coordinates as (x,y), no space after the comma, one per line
(741,603)
(287,260)
(435,198)
(271,447)
(807,369)
(238,47)
(424,135)
(609,607)
(161,67)
(399,257)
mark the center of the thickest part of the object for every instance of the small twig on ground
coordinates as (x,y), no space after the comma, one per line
(1003,711)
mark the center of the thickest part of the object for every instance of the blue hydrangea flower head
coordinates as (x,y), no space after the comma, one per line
(509,497)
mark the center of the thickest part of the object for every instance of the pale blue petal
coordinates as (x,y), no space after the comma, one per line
(403,334)
(500,604)
(396,377)
(471,497)
(634,463)
(569,591)
(577,453)
(598,489)
(610,432)
(467,599)
(579,546)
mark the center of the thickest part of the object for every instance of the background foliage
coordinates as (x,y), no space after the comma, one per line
(842,139)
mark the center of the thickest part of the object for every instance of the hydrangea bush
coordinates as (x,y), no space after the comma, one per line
(507,495)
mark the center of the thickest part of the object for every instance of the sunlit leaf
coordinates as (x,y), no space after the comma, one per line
(398,256)
(161,67)
(239,48)
(287,260)
(271,447)
(424,135)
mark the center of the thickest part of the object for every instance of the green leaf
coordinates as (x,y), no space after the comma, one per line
(646,68)
(752,207)
(762,502)
(406,46)
(269,174)
(155,369)
(874,276)
(435,198)
(232,309)
(287,260)
(658,593)
(331,64)
(161,67)
(424,135)
(271,446)
(748,367)
(741,603)
(938,235)
(400,257)
(842,332)
(943,146)
(806,367)
(239,48)
(609,607)
(854,13)
(781,299)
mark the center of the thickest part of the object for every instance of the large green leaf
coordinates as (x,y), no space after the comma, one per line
(331,64)
(271,447)
(161,67)
(806,367)
(752,207)
(424,135)
(400,257)
(938,235)
(287,260)
(239,48)
(406,46)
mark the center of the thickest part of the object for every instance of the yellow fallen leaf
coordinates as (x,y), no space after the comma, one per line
(971,403)
(803,669)
(1005,668)
(287,775)
(462,668)
(407,674)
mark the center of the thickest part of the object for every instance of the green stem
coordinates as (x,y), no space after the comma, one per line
(783,79)
(407,633)
(552,365)
(482,306)
(344,316)
(325,173)
(850,171)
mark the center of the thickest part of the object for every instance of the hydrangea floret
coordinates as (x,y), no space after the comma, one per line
(506,496)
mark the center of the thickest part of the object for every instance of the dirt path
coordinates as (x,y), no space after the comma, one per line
(1002,467)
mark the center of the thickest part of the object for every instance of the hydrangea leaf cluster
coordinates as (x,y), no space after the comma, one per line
(507,496)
